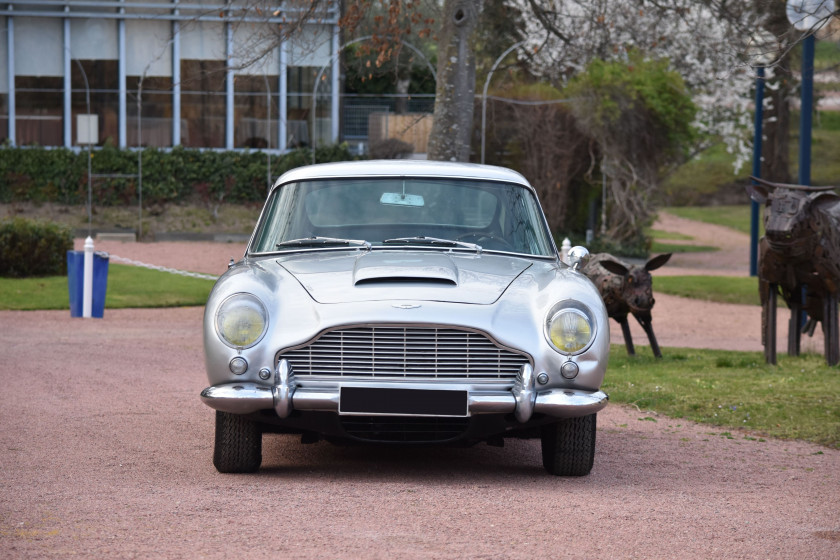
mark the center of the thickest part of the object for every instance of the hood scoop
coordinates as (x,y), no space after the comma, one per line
(403,268)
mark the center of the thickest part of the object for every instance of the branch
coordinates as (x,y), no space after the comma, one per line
(549,26)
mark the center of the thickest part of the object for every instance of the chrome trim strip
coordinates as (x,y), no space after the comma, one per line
(563,403)
(316,399)
(238,398)
(491,403)
(523,393)
(459,250)
(284,389)
(245,398)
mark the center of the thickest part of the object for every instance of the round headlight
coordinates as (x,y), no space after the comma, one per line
(570,329)
(241,320)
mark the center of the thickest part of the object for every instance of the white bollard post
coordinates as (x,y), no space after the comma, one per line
(564,250)
(87,283)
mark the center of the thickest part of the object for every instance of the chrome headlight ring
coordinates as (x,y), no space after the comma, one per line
(570,327)
(241,320)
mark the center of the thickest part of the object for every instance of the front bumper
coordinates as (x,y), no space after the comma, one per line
(523,400)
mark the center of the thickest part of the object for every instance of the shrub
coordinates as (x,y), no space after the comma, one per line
(34,174)
(641,115)
(29,248)
(638,248)
(391,148)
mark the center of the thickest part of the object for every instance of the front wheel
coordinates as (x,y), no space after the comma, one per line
(568,446)
(238,446)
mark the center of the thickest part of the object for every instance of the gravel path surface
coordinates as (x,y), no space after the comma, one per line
(106,452)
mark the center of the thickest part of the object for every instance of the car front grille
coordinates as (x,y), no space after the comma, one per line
(407,352)
(393,429)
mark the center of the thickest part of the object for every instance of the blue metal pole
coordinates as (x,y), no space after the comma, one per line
(176,82)
(757,141)
(807,107)
(229,90)
(121,83)
(10,74)
(67,105)
(283,89)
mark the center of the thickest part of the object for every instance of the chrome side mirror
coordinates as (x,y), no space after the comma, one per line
(578,257)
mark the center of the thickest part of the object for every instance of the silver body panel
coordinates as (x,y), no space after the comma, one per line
(462,277)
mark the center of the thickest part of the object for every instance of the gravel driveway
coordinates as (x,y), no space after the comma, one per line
(106,452)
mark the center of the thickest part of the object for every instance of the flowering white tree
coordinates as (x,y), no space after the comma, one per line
(704,42)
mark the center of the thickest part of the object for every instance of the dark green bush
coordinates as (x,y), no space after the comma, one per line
(29,248)
(60,175)
(638,247)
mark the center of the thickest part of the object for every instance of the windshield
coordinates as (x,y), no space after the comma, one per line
(399,212)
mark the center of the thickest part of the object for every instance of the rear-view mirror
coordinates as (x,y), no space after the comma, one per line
(401,199)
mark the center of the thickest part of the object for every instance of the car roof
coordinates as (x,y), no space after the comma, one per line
(402,168)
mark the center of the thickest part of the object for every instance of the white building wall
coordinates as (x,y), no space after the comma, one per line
(93,39)
(255,50)
(312,47)
(38,47)
(148,48)
(203,40)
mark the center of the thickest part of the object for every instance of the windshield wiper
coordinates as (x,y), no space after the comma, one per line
(317,241)
(434,241)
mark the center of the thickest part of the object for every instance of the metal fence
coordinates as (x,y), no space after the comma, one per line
(357,110)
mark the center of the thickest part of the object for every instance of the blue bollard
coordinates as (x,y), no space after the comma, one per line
(75,282)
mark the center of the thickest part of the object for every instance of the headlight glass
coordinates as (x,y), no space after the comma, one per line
(570,328)
(241,320)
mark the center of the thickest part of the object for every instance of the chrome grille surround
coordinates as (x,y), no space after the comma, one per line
(404,352)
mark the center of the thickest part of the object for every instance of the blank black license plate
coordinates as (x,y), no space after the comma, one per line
(419,402)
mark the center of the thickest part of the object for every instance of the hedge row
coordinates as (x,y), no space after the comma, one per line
(29,248)
(60,175)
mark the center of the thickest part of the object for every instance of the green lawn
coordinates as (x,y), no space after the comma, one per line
(670,242)
(799,398)
(734,217)
(826,55)
(128,286)
(667,235)
(657,247)
(722,289)
(702,177)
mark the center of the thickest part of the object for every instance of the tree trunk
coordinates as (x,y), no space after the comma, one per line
(776,147)
(401,106)
(455,93)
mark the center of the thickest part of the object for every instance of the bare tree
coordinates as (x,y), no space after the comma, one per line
(538,137)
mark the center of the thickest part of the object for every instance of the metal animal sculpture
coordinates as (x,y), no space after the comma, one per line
(627,289)
(799,257)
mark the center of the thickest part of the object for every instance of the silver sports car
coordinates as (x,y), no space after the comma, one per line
(405,302)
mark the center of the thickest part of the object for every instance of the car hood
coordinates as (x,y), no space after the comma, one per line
(410,275)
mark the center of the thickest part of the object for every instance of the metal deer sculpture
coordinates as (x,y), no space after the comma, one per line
(627,289)
(800,249)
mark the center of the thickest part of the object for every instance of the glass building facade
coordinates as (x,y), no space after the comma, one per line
(164,73)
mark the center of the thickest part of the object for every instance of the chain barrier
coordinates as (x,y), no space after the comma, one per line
(164,268)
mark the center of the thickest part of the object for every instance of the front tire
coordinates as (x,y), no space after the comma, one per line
(568,446)
(238,445)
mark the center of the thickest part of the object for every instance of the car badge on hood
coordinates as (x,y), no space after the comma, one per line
(405,305)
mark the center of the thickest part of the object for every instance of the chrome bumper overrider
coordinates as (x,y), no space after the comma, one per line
(284,396)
